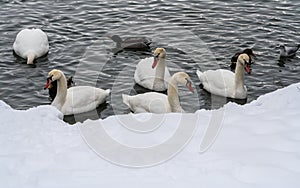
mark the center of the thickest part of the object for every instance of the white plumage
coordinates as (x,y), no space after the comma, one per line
(288,51)
(31,44)
(77,99)
(226,83)
(157,102)
(152,73)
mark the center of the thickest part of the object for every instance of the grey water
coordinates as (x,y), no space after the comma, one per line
(196,35)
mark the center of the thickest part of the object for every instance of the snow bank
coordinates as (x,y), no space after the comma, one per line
(258,146)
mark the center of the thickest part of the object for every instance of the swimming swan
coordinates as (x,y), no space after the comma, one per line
(31,44)
(77,99)
(226,83)
(155,102)
(151,73)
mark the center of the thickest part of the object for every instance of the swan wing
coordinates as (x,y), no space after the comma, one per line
(31,41)
(218,82)
(148,102)
(145,75)
(83,99)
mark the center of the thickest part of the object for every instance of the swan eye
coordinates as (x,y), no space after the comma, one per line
(188,81)
(50,77)
(157,55)
(246,62)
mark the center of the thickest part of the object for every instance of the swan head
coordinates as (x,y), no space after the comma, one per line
(53,76)
(158,54)
(184,79)
(244,60)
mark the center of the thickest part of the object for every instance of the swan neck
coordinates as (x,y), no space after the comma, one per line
(61,95)
(173,96)
(239,76)
(160,69)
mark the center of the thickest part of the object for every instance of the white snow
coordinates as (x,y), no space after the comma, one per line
(258,146)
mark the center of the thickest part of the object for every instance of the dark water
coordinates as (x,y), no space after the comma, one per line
(196,35)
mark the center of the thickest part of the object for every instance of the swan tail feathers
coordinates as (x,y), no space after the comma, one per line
(107,92)
(30,58)
(199,73)
(126,99)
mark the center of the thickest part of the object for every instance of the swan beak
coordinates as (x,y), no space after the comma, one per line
(248,68)
(189,85)
(155,62)
(48,85)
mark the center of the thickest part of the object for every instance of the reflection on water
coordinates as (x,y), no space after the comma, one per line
(93,115)
(196,35)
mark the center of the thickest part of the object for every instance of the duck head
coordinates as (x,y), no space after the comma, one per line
(281,47)
(249,52)
(70,82)
(159,53)
(116,38)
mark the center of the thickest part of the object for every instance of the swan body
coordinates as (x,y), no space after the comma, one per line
(157,102)
(151,73)
(288,51)
(77,99)
(31,44)
(226,83)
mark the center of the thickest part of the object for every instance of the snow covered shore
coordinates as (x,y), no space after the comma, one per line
(258,146)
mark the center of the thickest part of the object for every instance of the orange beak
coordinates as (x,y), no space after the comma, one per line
(248,69)
(48,84)
(155,62)
(189,86)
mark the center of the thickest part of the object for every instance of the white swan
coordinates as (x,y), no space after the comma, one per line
(31,44)
(77,99)
(151,73)
(226,83)
(234,58)
(157,102)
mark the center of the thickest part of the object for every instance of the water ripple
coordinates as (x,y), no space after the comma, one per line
(76,28)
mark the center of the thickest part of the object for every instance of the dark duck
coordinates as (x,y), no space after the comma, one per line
(288,51)
(134,43)
(234,58)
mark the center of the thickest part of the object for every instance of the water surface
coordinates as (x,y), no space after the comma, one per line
(196,35)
